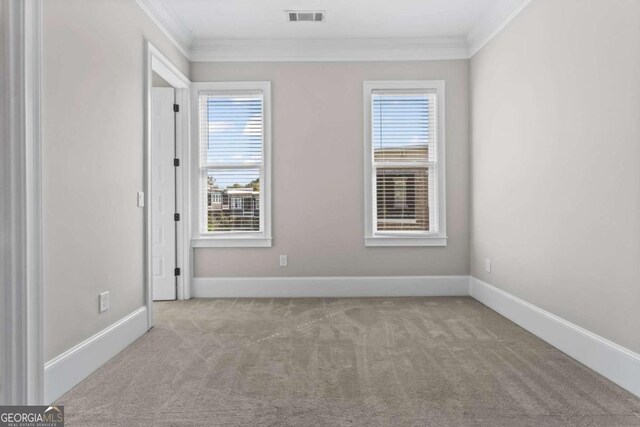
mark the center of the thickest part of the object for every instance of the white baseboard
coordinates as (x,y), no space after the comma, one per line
(618,364)
(65,371)
(345,286)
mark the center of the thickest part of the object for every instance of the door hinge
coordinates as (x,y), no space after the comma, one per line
(176,108)
(176,217)
(176,271)
(176,162)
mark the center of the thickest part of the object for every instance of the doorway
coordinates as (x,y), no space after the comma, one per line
(167,211)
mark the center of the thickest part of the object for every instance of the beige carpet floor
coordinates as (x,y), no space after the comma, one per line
(343,362)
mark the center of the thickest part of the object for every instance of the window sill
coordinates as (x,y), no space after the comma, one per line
(405,241)
(231,242)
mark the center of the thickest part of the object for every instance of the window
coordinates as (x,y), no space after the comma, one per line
(234,160)
(236,203)
(213,199)
(404,163)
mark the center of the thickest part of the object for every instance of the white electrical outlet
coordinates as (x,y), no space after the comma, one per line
(140,199)
(487,265)
(104,301)
(283,260)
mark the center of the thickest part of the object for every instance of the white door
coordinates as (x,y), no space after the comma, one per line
(163,194)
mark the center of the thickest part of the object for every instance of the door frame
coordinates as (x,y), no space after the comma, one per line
(21,230)
(157,62)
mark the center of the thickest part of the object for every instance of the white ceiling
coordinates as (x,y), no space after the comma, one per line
(345,18)
(259,30)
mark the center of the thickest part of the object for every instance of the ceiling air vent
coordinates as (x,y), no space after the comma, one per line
(305,16)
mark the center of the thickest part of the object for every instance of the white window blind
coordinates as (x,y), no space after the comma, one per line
(231,161)
(404,161)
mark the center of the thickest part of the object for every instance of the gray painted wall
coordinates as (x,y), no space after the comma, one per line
(556,173)
(94,62)
(318,172)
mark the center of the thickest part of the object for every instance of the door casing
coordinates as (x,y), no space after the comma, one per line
(157,62)
(21,230)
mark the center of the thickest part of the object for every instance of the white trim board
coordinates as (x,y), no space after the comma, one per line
(65,371)
(492,23)
(612,361)
(334,49)
(327,287)
(21,277)
(168,26)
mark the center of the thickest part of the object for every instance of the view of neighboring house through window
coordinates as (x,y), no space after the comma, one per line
(232,161)
(403,164)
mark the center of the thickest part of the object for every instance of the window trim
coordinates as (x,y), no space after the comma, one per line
(404,238)
(244,239)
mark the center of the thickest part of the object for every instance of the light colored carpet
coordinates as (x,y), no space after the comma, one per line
(343,362)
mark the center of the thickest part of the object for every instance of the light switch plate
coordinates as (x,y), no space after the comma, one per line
(140,199)
(283,260)
(487,265)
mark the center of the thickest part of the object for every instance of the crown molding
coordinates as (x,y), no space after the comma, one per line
(380,49)
(492,23)
(170,25)
(335,49)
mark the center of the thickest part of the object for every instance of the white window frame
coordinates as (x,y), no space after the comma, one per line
(264,237)
(439,218)
(235,205)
